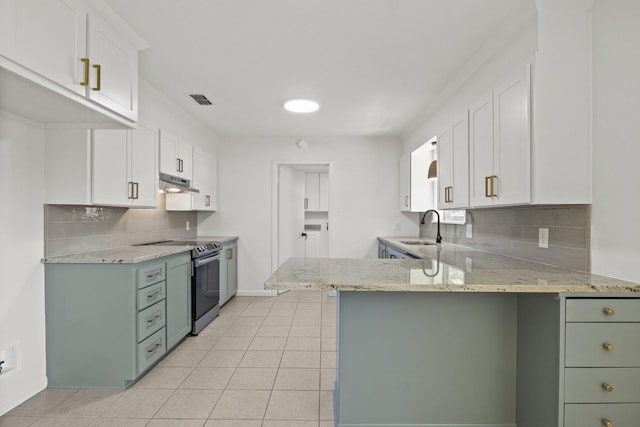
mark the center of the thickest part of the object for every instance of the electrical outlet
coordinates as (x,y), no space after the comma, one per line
(543,237)
(187,226)
(469,231)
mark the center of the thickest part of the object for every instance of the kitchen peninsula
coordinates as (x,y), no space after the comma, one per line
(468,338)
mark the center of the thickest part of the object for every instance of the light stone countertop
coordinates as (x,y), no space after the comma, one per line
(133,254)
(444,268)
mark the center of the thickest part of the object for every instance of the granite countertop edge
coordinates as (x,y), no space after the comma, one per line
(132,254)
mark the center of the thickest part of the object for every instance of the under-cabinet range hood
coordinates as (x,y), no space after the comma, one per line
(174,184)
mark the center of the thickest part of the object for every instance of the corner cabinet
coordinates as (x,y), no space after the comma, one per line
(107,324)
(228,271)
(81,54)
(500,144)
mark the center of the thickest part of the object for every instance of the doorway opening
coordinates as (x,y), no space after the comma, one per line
(301,201)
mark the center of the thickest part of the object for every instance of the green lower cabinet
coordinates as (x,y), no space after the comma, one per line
(107,324)
(228,271)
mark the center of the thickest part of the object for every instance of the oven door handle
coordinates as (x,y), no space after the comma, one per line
(207,260)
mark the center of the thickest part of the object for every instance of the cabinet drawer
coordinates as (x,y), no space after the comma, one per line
(603,310)
(151,349)
(590,385)
(585,345)
(620,415)
(151,274)
(151,295)
(151,319)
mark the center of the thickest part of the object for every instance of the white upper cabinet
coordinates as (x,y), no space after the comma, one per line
(205,179)
(453,165)
(113,69)
(176,157)
(500,144)
(125,169)
(80,63)
(416,190)
(316,197)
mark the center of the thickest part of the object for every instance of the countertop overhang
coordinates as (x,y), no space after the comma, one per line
(133,254)
(443,268)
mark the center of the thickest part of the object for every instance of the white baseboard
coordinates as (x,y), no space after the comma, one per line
(258,293)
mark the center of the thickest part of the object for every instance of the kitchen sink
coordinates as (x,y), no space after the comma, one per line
(417,242)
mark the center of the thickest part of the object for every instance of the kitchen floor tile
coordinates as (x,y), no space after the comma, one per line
(326,405)
(293,405)
(328,331)
(261,359)
(86,403)
(305,331)
(233,423)
(184,404)
(138,403)
(221,359)
(9,421)
(241,404)
(169,377)
(62,422)
(176,423)
(327,379)
(249,320)
(239,330)
(277,320)
(303,344)
(119,422)
(42,402)
(283,423)
(328,359)
(208,378)
(300,359)
(252,379)
(268,343)
(307,321)
(232,343)
(200,342)
(184,357)
(297,379)
(273,331)
(328,344)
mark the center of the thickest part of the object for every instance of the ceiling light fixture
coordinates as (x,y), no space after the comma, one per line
(301,106)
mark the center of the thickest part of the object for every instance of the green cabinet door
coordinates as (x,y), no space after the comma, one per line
(178,299)
(224,290)
(232,270)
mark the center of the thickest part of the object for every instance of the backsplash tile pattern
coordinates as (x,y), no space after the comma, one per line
(513,231)
(75,229)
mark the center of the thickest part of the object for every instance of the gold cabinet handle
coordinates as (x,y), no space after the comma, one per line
(135,184)
(98,76)
(154,348)
(607,387)
(406,201)
(607,423)
(130,184)
(492,179)
(609,311)
(86,72)
(181,165)
(608,347)
(486,186)
(448,194)
(207,200)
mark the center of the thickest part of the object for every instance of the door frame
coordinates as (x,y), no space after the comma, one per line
(275,166)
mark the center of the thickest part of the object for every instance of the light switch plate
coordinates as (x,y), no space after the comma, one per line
(543,237)
(469,231)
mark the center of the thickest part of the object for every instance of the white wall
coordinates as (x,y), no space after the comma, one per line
(22,322)
(615,231)
(363,197)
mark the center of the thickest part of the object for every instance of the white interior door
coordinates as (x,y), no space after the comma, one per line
(291,191)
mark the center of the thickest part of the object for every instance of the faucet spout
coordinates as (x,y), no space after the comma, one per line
(438,236)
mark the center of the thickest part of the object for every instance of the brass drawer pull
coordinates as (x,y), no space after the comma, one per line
(154,319)
(154,294)
(85,82)
(608,347)
(154,348)
(607,387)
(607,423)
(98,76)
(609,311)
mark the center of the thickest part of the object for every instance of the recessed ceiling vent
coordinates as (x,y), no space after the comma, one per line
(200,99)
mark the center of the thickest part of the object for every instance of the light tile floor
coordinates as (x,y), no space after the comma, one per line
(264,362)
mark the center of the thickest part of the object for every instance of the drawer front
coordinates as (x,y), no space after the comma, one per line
(586,342)
(602,385)
(151,295)
(151,319)
(603,310)
(151,274)
(151,349)
(621,415)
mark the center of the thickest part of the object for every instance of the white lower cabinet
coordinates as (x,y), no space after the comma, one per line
(228,271)
(107,324)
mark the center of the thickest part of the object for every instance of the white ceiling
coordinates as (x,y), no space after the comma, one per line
(372,65)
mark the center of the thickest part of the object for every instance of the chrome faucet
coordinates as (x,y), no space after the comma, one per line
(438,236)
